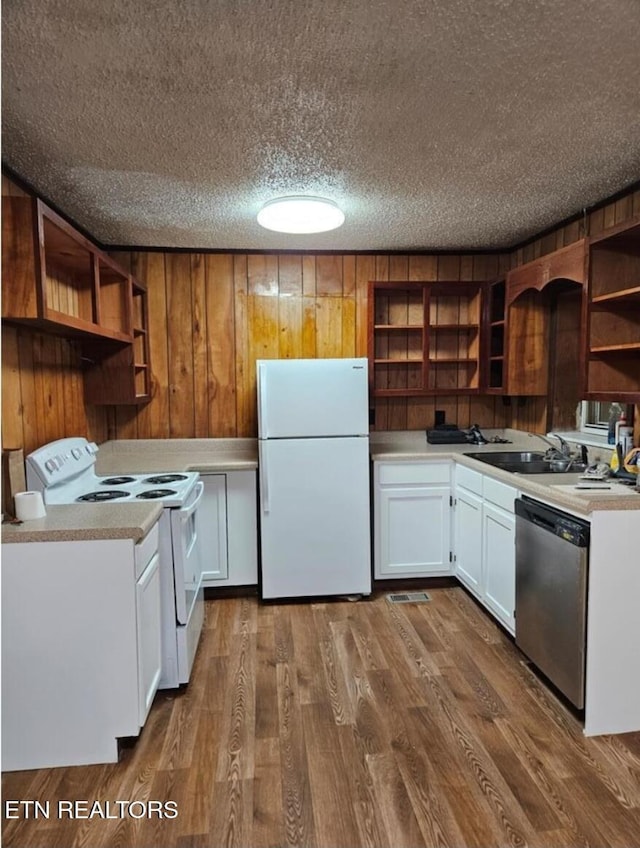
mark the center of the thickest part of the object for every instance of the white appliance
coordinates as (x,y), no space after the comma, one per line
(313,439)
(64,471)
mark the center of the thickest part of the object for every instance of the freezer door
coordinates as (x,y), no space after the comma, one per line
(300,398)
(314,517)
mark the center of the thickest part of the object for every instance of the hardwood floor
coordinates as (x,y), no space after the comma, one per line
(351,724)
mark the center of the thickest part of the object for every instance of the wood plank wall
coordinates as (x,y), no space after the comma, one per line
(212,315)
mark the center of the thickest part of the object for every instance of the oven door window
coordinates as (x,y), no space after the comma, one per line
(187,563)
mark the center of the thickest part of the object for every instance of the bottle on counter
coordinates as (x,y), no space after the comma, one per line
(614,414)
(624,434)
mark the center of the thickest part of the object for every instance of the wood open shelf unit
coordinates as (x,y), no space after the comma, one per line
(122,375)
(54,279)
(613,337)
(424,338)
(495,337)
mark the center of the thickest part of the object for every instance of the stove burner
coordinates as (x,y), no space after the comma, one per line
(117,481)
(105,495)
(162,479)
(152,494)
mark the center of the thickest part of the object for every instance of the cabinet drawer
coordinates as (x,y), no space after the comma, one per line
(499,493)
(468,478)
(413,472)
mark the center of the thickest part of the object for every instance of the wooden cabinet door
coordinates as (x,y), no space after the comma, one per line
(212,529)
(468,539)
(413,534)
(499,559)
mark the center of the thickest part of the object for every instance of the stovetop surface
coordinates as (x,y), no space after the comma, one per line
(171,489)
(64,471)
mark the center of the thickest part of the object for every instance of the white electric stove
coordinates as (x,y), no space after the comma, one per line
(64,471)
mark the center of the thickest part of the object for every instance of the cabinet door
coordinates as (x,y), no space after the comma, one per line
(149,631)
(242,528)
(499,563)
(414,527)
(212,520)
(468,539)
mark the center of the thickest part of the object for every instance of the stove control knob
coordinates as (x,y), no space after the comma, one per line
(76,453)
(51,465)
(61,459)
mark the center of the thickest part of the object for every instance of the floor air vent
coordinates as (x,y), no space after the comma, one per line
(408,598)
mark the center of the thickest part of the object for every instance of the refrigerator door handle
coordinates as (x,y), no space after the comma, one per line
(262,398)
(264,479)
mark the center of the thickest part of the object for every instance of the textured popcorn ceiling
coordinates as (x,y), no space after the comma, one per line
(439,124)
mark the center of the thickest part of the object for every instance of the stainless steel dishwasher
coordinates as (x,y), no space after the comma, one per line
(552,560)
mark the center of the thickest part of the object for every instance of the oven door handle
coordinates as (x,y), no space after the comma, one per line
(187,511)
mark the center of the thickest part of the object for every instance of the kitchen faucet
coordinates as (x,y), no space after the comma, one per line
(564,451)
(476,435)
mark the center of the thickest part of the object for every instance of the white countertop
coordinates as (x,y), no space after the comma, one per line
(133,456)
(412,445)
(139,456)
(133,521)
(78,522)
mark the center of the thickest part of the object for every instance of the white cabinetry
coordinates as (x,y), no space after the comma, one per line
(149,629)
(412,519)
(485,541)
(213,528)
(468,538)
(80,648)
(228,529)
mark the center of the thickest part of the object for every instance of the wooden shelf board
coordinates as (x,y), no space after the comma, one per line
(620,296)
(453,360)
(87,328)
(398,327)
(619,348)
(454,326)
(398,361)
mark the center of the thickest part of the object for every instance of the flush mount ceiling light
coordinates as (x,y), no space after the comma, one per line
(300,215)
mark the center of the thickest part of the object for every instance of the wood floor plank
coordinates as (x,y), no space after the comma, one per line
(236,755)
(329,779)
(352,725)
(268,825)
(394,803)
(297,804)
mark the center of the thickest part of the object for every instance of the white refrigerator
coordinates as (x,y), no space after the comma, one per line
(313,439)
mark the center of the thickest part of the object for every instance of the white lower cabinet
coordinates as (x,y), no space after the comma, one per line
(227,526)
(412,508)
(498,555)
(484,546)
(468,538)
(149,629)
(213,528)
(87,673)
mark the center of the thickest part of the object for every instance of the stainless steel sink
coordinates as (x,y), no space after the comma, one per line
(527,462)
(494,457)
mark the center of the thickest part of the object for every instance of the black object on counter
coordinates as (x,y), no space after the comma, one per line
(476,436)
(447,434)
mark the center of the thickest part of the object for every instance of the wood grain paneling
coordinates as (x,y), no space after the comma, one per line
(212,315)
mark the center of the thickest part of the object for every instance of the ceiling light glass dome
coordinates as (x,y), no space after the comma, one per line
(300,215)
